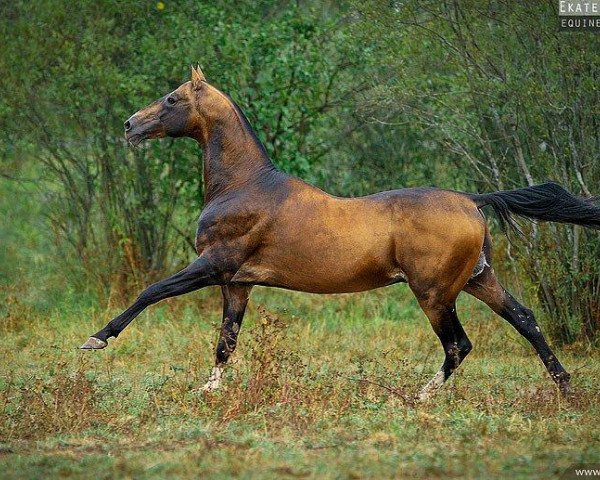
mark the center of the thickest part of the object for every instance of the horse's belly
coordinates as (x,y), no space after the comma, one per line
(315,270)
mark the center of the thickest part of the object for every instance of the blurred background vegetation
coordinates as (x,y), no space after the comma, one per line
(354,96)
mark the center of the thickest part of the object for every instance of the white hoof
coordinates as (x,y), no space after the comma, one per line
(93,343)
(428,390)
(423,396)
(214,381)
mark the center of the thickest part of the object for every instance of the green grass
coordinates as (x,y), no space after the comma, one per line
(320,387)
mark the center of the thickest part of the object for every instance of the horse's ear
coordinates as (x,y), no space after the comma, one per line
(197,77)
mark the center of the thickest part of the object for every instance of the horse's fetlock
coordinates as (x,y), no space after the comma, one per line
(466,346)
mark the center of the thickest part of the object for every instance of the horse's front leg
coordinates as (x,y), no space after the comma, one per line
(200,273)
(235,299)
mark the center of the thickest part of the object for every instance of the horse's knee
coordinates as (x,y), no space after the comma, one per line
(149,294)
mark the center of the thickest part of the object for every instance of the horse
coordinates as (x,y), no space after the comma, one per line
(261,226)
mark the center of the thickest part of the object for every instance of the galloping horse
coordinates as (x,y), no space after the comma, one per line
(261,226)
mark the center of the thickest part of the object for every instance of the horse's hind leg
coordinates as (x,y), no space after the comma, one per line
(235,299)
(486,288)
(454,340)
(436,285)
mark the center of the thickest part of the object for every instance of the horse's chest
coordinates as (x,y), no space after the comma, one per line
(226,229)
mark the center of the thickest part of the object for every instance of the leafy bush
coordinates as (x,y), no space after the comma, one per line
(354,96)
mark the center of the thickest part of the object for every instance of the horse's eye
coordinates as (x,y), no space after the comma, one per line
(171,100)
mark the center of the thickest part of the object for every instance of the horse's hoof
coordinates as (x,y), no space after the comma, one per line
(563,381)
(565,389)
(214,382)
(422,397)
(93,343)
(211,386)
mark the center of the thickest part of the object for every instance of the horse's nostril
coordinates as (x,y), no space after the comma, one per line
(127,125)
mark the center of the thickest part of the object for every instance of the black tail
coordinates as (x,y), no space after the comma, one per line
(549,202)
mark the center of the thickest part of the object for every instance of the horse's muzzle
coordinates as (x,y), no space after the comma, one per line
(138,130)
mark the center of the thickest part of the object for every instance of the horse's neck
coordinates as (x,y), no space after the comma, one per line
(233,159)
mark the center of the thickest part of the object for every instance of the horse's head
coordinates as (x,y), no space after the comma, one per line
(186,111)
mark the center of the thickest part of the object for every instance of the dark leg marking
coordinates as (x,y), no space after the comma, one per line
(487,289)
(522,319)
(235,299)
(454,340)
(196,275)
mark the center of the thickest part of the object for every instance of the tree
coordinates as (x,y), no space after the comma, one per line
(513,102)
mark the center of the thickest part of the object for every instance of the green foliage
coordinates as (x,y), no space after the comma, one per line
(128,214)
(354,96)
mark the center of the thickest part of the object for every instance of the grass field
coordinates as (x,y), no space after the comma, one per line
(320,387)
